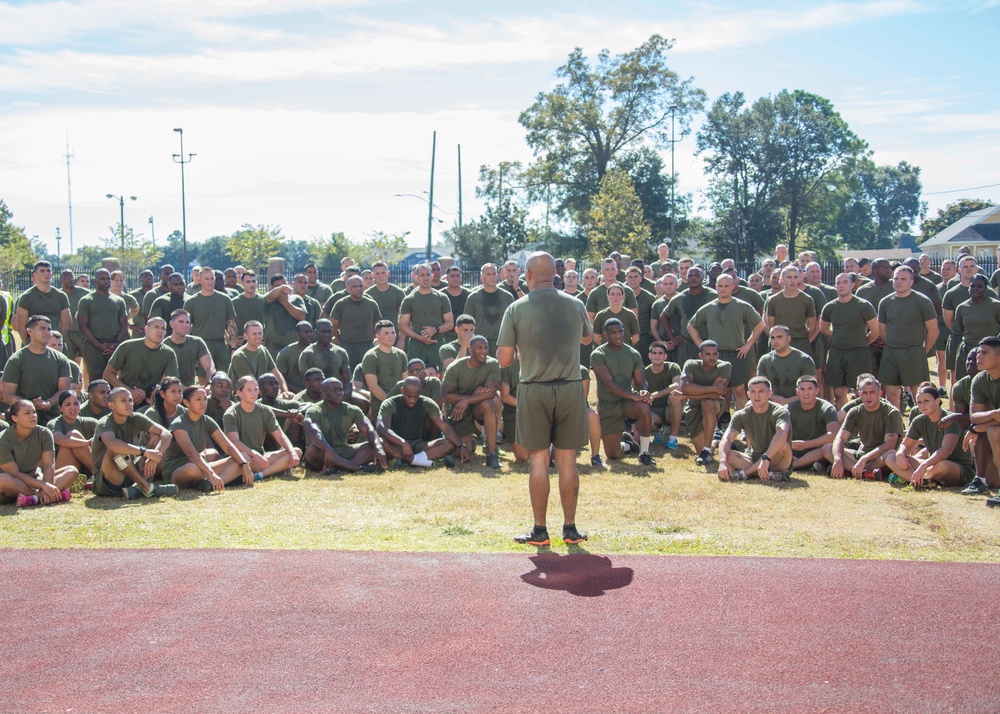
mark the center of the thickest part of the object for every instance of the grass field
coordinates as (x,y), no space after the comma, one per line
(673,508)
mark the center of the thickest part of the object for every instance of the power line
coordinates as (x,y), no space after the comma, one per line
(960,190)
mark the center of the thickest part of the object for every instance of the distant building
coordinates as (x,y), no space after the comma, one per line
(980,230)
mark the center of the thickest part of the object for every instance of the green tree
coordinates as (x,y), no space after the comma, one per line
(621,103)
(473,243)
(212,252)
(87,258)
(132,253)
(328,253)
(828,247)
(16,250)
(883,203)
(173,252)
(616,215)
(505,189)
(379,245)
(296,253)
(949,214)
(652,185)
(251,246)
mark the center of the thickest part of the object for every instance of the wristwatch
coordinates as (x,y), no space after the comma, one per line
(765,457)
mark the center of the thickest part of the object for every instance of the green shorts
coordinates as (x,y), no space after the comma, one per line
(661,412)
(942,340)
(741,367)
(692,415)
(221,354)
(73,344)
(903,367)
(612,416)
(466,425)
(356,351)
(509,425)
(415,349)
(844,366)
(551,413)
(951,351)
(417,445)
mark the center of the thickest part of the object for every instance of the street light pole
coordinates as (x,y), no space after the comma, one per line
(179,159)
(152,231)
(430,203)
(58,250)
(121,224)
(673,175)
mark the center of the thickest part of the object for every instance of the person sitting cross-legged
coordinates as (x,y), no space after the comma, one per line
(663,379)
(248,423)
(766,425)
(814,424)
(28,475)
(73,434)
(704,383)
(618,368)
(327,425)
(470,385)
(947,462)
(876,422)
(402,425)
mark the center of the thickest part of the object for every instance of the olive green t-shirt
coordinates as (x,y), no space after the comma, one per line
(164,307)
(448,351)
(140,366)
(664,379)
(726,323)
(546,326)
(356,318)
(252,427)
(49,304)
(26,453)
(644,302)
(85,425)
(253,363)
(792,312)
(760,428)
(200,432)
(188,356)
(408,422)
(921,427)
(628,318)
(904,319)
(154,416)
(74,305)
(147,300)
(431,388)
(210,314)
(425,310)
(279,325)
(487,309)
(388,367)
(974,322)
(872,427)
(706,377)
(105,314)
(36,375)
(811,424)
(961,395)
(848,322)
(985,390)
(621,363)
(389,301)
(464,378)
(874,293)
(287,362)
(248,309)
(331,361)
(320,292)
(598,298)
(784,371)
(135,426)
(683,306)
(335,423)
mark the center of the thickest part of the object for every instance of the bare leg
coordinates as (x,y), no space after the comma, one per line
(893,394)
(538,484)
(594,426)
(569,482)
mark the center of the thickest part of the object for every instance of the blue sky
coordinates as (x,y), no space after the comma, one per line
(310,115)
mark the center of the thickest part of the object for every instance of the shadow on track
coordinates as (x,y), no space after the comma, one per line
(579,573)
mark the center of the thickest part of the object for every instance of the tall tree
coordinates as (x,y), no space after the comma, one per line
(212,252)
(251,246)
(379,245)
(475,243)
(138,253)
(884,201)
(616,218)
(327,253)
(16,250)
(652,185)
(505,189)
(621,103)
(951,213)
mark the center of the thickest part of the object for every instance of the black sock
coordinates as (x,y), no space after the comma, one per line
(540,529)
(567,526)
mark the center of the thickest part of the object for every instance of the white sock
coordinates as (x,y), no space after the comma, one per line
(421,460)
(626,448)
(643,444)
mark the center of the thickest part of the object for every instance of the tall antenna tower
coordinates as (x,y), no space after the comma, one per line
(69,193)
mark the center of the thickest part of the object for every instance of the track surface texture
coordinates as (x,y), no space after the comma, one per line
(316,631)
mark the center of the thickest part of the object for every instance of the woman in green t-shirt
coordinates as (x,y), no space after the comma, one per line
(946,463)
(27,461)
(616,308)
(248,423)
(165,406)
(73,434)
(190,461)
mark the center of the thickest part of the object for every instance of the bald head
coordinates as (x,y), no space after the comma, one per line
(540,270)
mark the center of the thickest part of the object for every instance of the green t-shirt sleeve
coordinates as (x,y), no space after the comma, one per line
(894,424)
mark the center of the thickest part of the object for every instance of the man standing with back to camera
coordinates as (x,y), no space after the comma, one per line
(546,327)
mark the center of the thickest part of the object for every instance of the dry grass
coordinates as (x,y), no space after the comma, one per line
(674,508)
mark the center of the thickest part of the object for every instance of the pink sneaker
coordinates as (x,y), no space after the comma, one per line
(66,495)
(24,501)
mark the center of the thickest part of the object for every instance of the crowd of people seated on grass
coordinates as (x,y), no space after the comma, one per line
(211,381)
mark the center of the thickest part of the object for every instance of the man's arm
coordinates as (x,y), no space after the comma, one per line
(827,438)
(111,376)
(874,331)
(505,356)
(406,329)
(605,379)
(724,448)
(376,391)
(65,320)
(21,317)
(932,334)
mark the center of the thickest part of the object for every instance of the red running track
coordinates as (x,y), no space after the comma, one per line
(294,631)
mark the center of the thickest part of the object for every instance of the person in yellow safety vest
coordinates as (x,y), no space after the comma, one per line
(6,312)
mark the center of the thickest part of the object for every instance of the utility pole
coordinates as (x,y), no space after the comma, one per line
(121,224)
(430,203)
(69,193)
(459,185)
(179,159)
(673,175)
(152,231)
(58,250)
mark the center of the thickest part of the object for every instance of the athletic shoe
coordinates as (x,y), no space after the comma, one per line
(872,474)
(163,490)
(370,468)
(130,493)
(928,485)
(897,480)
(992,502)
(493,460)
(737,475)
(724,419)
(672,443)
(821,467)
(658,437)
(942,392)
(977,487)
(66,495)
(717,436)
(633,445)
(646,460)
(785,475)
(26,501)
(705,457)
(571,535)
(596,460)
(204,485)
(533,538)
(89,486)
(258,476)
(449,461)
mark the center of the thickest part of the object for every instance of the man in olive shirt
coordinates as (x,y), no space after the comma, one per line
(424,315)
(249,305)
(74,340)
(783,366)
(879,426)
(546,328)
(140,362)
(387,296)
(213,318)
(332,359)
(618,368)
(314,309)
(908,326)
(43,299)
(283,310)
(985,417)
(402,424)
(317,290)
(457,295)
(287,360)
(165,305)
(465,330)
(794,309)
(663,379)
(679,311)
(383,365)
(881,286)
(851,325)
(353,319)
(704,382)
(487,305)
(644,305)
(103,321)
(766,426)
(814,424)
(35,372)
(194,361)
(253,358)
(327,425)
(470,385)
(161,289)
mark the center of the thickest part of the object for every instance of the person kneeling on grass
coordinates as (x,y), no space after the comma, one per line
(402,421)
(121,466)
(73,434)
(248,423)
(704,382)
(766,426)
(876,422)
(947,462)
(327,426)
(29,476)
(190,462)
(470,385)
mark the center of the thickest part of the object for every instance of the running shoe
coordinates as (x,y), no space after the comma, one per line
(646,460)
(977,487)
(942,392)
(705,457)
(724,419)
(821,467)
(737,475)
(533,537)
(130,493)
(672,443)
(571,535)
(633,445)
(26,501)
(164,490)
(493,460)
(993,502)
(779,476)
(449,461)
(596,460)
(66,495)
(658,437)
